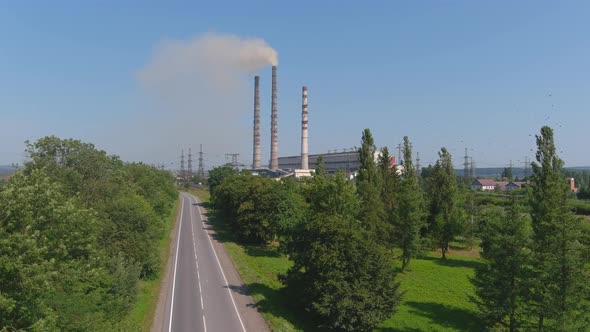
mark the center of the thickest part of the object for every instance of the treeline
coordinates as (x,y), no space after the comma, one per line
(342,236)
(78,230)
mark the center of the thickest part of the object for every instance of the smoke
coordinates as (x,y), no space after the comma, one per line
(198,91)
(219,59)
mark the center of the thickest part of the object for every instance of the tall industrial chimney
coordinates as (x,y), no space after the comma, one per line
(274,131)
(256,150)
(304,152)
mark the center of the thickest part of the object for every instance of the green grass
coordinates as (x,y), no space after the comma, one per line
(436,297)
(436,292)
(141,316)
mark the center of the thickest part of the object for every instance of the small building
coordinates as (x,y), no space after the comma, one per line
(502,185)
(573,188)
(483,184)
(515,185)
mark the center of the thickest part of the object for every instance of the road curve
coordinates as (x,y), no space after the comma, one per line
(202,290)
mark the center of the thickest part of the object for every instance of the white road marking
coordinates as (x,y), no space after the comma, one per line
(220,268)
(197,264)
(175,265)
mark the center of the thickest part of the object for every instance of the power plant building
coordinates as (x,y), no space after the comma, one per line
(345,161)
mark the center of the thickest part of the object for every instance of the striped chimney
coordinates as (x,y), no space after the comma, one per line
(274,131)
(304,137)
(256,150)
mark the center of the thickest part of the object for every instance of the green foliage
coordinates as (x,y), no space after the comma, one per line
(446,207)
(560,291)
(131,228)
(501,283)
(507,174)
(79,167)
(217,176)
(369,184)
(580,207)
(390,187)
(332,195)
(77,229)
(259,209)
(154,186)
(409,216)
(52,275)
(346,281)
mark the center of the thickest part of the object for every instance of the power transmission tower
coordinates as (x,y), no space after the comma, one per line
(234,159)
(526,167)
(201,171)
(182,164)
(466,167)
(472,168)
(189,173)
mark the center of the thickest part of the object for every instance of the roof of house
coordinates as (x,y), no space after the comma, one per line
(502,183)
(518,183)
(484,182)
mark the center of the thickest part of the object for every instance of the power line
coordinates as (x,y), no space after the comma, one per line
(190,165)
(466,166)
(182,164)
(201,171)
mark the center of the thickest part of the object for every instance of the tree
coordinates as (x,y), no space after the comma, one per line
(390,182)
(446,214)
(410,215)
(320,169)
(507,173)
(217,176)
(369,184)
(501,282)
(560,291)
(346,281)
(53,274)
(131,229)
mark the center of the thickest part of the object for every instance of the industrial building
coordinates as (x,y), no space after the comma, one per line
(346,161)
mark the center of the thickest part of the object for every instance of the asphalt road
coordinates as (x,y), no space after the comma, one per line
(198,296)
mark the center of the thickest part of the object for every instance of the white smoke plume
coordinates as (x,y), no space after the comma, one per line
(220,58)
(199,93)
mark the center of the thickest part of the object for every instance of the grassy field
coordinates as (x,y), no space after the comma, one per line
(142,314)
(436,291)
(437,297)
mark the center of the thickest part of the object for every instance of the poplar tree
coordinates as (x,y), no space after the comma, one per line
(560,294)
(389,192)
(446,214)
(369,184)
(501,282)
(410,212)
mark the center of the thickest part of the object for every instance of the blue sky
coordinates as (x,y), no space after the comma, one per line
(458,74)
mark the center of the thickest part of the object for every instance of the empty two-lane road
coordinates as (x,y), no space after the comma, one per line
(202,291)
